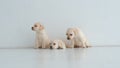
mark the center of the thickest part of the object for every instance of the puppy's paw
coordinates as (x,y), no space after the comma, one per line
(84,47)
(88,46)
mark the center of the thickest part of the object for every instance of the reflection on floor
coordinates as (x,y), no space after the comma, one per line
(95,57)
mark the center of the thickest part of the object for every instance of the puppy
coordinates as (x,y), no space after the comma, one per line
(42,40)
(77,38)
(57,44)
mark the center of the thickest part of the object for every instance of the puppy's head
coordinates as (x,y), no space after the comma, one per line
(37,27)
(70,34)
(54,44)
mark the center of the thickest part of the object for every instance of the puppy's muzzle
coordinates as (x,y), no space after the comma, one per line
(68,38)
(51,47)
(32,28)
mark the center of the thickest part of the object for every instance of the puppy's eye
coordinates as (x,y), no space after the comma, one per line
(70,34)
(54,43)
(35,25)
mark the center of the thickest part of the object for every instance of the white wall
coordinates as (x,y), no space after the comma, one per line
(99,20)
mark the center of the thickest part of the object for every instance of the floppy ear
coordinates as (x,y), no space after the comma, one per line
(75,31)
(41,27)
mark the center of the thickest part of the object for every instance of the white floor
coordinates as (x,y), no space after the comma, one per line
(96,57)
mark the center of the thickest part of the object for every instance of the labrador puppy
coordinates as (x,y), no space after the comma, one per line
(42,40)
(57,44)
(77,38)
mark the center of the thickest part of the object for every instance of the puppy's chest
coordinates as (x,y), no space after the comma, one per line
(41,35)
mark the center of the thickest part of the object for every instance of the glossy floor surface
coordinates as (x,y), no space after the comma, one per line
(95,57)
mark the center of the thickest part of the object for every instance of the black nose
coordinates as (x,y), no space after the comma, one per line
(68,38)
(50,47)
(32,28)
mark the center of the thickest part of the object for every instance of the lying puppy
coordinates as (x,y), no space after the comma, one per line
(57,44)
(77,38)
(42,40)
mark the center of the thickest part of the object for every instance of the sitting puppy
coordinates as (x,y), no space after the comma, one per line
(42,40)
(57,44)
(77,38)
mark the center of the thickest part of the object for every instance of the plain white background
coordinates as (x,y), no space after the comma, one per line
(98,19)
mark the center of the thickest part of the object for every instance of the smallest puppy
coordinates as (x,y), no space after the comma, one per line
(57,44)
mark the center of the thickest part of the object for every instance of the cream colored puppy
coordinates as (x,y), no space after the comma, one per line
(42,40)
(77,38)
(57,44)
